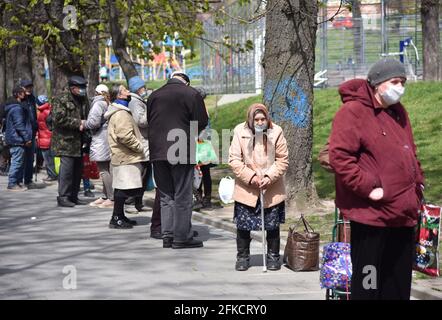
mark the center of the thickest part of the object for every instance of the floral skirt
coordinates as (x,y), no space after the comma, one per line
(249,218)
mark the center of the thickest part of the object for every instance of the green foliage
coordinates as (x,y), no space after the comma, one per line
(37,41)
(422,101)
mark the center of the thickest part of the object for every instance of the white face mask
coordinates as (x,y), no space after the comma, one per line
(260,128)
(393,94)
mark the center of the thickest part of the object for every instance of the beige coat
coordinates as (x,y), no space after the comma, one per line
(247,161)
(125,140)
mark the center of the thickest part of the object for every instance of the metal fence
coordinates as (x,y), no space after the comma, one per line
(345,47)
(227,69)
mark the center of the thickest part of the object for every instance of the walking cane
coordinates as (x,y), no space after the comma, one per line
(264,255)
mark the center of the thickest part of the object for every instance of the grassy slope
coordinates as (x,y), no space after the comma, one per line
(423,102)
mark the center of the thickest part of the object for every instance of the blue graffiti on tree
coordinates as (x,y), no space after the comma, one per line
(289,102)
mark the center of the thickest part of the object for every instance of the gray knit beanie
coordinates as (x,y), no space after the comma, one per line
(385,69)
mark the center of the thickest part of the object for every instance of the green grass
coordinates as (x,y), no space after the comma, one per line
(423,102)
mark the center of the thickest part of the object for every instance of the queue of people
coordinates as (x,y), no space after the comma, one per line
(379,180)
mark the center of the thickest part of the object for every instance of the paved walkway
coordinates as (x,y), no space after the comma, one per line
(44,248)
(46,251)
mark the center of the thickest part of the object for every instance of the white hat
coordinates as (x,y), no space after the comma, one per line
(102,88)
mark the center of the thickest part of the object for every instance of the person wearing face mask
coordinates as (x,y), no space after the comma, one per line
(259,159)
(138,108)
(69,113)
(99,149)
(379,180)
(127,155)
(30,103)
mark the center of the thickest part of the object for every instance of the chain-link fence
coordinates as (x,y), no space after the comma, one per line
(346,47)
(231,68)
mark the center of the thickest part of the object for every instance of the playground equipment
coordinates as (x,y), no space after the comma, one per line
(171,58)
(405,58)
(320,79)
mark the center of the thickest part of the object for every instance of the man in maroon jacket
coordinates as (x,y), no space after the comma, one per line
(379,181)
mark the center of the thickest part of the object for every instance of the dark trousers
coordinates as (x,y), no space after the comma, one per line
(120,197)
(69,178)
(29,162)
(155,225)
(175,185)
(382,261)
(145,174)
(206,183)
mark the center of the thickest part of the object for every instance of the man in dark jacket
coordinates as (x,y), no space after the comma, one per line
(69,112)
(30,103)
(18,136)
(171,109)
(379,181)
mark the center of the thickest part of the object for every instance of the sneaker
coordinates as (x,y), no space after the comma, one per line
(143,209)
(16,188)
(131,210)
(50,179)
(130,200)
(89,194)
(106,204)
(33,185)
(118,223)
(97,202)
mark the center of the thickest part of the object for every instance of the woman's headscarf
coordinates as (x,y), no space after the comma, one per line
(251,113)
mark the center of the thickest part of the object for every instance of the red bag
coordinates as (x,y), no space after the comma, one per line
(90,168)
(427,240)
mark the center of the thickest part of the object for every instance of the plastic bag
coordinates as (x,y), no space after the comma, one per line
(150,185)
(57,165)
(225,190)
(427,240)
(90,168)
(336,269)
(205,153)
(197,177)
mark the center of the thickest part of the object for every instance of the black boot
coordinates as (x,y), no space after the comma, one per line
(117,222)
(273,262)
(65,202)
(243,255)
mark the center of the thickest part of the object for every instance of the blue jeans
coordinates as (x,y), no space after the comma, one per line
(48,157)
(29,162)
(17,165)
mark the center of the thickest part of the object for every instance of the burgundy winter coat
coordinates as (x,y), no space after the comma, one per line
(44,134)
(373,147)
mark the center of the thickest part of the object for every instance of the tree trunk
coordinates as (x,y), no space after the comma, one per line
(119,36)
(90,39)
(63,61)
(431,39)
(289,61)
(11,60)
(357,32)
(23,65)
(59,80)
(38,73)
(3,92)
